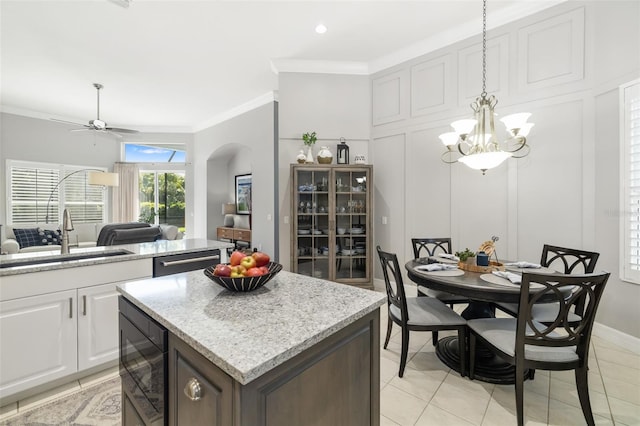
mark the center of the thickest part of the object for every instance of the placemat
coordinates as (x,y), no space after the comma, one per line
(446,273)
(494,279)
(541,270)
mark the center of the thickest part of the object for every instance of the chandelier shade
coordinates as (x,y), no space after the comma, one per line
(474,141)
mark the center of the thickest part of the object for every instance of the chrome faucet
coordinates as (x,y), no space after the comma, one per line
(67,225)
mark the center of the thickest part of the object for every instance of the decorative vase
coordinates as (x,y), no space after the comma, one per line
(324,156)
(301,157)
(309,159)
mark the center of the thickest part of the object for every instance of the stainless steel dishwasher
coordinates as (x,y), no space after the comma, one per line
(184,262)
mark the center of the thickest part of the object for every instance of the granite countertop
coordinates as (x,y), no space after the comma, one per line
(248,334)
(54,260)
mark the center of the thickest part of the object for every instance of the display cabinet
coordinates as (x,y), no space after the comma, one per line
(331,227)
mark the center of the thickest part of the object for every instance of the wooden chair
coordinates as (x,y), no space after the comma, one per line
(424,247)
(564,260)
(529,344)
(416,313)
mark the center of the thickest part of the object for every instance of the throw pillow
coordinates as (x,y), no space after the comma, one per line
(27,237)
(49,237)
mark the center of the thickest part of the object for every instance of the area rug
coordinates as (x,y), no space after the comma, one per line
(98,405)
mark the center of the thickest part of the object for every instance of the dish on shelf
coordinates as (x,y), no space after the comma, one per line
(356,231)
(348,252)
(360,250)
(341,231)
(325,231)
(304,231)
(316,232)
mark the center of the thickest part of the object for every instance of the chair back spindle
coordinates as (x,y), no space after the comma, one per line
(424,247)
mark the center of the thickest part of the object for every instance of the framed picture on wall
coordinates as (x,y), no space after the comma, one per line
(243,194)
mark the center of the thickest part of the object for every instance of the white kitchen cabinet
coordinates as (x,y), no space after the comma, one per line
(97,325)
(38,340)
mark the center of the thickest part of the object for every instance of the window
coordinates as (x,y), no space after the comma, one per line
(630,169)
(39,193)
(162,197)
(154,153)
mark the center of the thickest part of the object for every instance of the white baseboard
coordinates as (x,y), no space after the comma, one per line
(617,337)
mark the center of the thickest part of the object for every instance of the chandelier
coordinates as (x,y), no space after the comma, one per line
(475,139)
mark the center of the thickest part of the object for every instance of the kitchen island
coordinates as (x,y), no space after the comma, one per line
(299,350)
(59,313)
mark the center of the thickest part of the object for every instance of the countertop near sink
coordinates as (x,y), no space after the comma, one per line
(137,251)
(249,334)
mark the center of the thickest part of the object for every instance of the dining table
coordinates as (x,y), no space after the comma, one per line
(482,289)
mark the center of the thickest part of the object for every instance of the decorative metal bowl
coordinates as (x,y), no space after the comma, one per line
(244,283)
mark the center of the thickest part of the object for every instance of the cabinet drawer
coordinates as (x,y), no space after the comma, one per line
(226,233)
(242,234)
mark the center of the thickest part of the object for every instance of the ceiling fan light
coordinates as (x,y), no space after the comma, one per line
(525,129)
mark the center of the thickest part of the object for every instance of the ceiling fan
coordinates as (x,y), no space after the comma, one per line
(97,124)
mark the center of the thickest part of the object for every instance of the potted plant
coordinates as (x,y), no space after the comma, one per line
(309,140)
(466,256)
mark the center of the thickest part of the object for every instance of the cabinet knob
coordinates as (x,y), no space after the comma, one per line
(192,390)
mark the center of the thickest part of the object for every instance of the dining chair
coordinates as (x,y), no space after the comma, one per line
(529,344)
(424,247)
(416,313)
(564,260)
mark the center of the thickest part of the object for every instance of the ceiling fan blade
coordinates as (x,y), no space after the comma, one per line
(68,122)
(81,130)
(115,129)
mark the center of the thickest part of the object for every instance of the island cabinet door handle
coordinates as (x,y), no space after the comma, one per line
(71,307)
(192,260)
(193,389)
(84,305)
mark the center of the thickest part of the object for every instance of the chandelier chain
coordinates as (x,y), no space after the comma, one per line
(484,49)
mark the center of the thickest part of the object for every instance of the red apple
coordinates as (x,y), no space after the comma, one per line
(248,262)
(222,270)
(236,258)
(237,271)
(253,272)
(264,270)
(261,258)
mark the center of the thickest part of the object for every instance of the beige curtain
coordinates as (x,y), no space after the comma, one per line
(124,206)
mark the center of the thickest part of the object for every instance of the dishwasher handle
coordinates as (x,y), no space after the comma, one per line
(190,260)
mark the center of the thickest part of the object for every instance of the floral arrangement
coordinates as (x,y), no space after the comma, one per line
(464,255)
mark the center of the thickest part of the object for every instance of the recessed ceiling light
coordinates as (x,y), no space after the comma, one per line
(321,29)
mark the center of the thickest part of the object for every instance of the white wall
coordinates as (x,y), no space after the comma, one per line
(33,139)
(563,65)
(242,145)
(333,106)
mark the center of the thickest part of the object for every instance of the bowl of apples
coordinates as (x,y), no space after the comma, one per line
(243,272)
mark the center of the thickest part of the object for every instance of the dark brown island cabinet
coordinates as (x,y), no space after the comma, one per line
(334,381)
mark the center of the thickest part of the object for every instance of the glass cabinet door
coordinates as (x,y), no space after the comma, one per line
(312,224)
(353,233)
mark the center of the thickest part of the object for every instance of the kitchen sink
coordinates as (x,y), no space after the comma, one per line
(61,258)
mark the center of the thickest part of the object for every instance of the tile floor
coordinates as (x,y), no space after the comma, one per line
(431,394)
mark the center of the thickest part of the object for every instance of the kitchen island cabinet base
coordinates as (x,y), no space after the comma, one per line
(336,382)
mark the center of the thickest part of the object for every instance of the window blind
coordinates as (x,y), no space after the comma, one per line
(630,136)
(32,185)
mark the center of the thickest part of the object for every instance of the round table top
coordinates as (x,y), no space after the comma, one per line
(470,284)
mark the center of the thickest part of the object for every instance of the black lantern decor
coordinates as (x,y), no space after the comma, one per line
(343,152)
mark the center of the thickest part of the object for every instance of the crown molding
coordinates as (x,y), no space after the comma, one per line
(319,67)
(240,109)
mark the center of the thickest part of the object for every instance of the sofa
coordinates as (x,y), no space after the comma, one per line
(44,237)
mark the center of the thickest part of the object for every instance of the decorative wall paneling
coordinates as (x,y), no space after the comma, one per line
(509,201)
(551,52)
(470,70)
(390,100)
(427,97)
